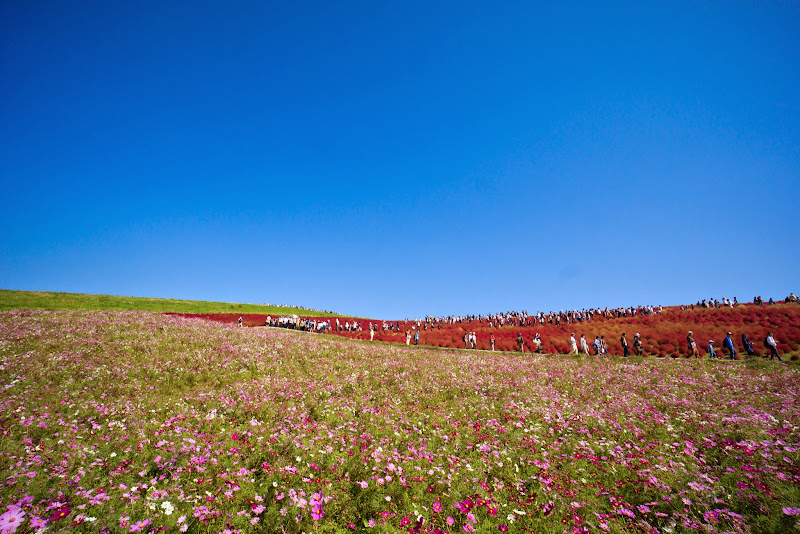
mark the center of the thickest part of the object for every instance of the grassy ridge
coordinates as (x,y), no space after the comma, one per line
(45,300)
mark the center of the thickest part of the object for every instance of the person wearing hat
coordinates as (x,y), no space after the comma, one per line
(728,344)
(637,344)
(692,345)
(711,352)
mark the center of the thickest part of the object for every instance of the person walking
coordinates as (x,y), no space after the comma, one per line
(711,352)
(573,344)
(624,342)
(772,345)
(491,340)
(603,347)
(584,346)
(728,344)
(637,345)
(692,345)
(537,341)
(748,347)
(520,342)
(416,337)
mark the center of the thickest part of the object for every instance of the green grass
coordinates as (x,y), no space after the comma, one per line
(57,301)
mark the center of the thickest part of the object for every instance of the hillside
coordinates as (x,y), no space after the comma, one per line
(129,421)
(663,334)
(58,301)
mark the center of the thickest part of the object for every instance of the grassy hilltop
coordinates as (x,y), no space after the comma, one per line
(58,301)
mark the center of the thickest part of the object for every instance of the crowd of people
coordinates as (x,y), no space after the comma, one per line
(730,347)
(523,318)
(294,322)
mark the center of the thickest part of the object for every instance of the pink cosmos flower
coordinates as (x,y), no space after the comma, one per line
(791,510)
(38,523)
(502,528)
(11,520)
(450,520)
(139,525)
(437,507)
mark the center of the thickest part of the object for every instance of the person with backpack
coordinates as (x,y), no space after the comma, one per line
(728,344)
(772,345)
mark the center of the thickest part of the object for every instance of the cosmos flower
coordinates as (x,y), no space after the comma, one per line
(11,520)
(61,513)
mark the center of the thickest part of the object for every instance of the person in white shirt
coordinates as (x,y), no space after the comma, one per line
(573,345)
(772,345)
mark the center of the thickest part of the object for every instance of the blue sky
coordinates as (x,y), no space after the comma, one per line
(392,159)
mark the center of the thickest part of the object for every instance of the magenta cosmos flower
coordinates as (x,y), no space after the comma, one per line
(60,514)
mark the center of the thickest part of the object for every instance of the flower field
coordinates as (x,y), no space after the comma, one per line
(135,421)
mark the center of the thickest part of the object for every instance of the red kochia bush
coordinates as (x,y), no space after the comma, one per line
(662,334)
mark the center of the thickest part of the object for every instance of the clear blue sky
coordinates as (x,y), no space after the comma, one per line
(393,159)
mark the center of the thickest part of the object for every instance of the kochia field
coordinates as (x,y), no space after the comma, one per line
(134,421)
(663,334)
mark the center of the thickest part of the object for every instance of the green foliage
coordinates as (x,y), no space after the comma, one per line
(57,301)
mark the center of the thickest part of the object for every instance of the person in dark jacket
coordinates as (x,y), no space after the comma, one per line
(728,344)
(748,347)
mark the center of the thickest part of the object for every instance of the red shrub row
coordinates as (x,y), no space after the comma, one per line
(662,334)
